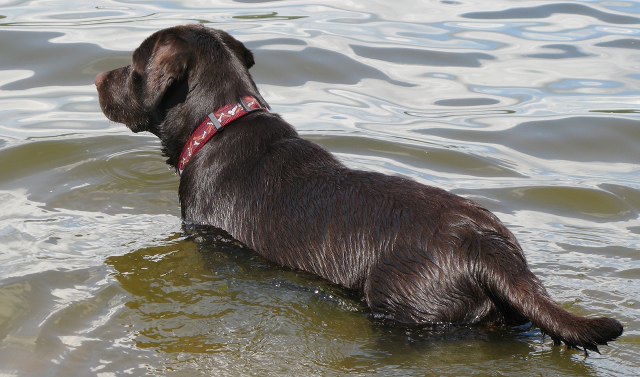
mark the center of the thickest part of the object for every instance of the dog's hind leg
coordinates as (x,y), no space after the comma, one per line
(410,288)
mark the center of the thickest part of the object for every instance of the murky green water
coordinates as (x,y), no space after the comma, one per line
(529,107)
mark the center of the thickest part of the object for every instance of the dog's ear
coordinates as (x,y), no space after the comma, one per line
(241,51)
(165,64)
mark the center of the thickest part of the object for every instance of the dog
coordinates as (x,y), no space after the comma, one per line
(417,254)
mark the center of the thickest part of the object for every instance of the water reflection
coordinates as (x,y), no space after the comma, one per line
(205,294)
(208,294)
(547,10)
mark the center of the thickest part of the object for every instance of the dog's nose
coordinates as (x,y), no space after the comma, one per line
(100,78)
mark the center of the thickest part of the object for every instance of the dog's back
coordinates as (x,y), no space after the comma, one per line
(419,254)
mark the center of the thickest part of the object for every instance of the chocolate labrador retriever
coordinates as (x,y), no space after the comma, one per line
(418,254)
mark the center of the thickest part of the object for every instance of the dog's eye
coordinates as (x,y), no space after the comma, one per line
(135,77)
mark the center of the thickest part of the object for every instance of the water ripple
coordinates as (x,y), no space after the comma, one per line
(547,10)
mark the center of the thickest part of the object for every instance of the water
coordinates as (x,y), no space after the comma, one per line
(529,107)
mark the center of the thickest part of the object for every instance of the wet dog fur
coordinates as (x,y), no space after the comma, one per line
(418,254)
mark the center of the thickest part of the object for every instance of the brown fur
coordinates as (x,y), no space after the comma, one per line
(418,254)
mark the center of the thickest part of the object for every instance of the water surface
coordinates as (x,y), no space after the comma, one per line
(528,107)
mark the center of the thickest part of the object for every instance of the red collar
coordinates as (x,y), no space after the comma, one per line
(213,124)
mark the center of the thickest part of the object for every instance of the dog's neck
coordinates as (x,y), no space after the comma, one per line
(206,93)
(214,123)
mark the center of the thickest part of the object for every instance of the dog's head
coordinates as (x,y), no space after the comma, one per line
(167,68)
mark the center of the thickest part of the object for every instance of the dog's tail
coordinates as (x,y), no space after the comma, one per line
(516,292)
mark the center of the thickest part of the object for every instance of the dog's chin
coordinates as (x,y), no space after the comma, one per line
(135,128)
(135,125)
